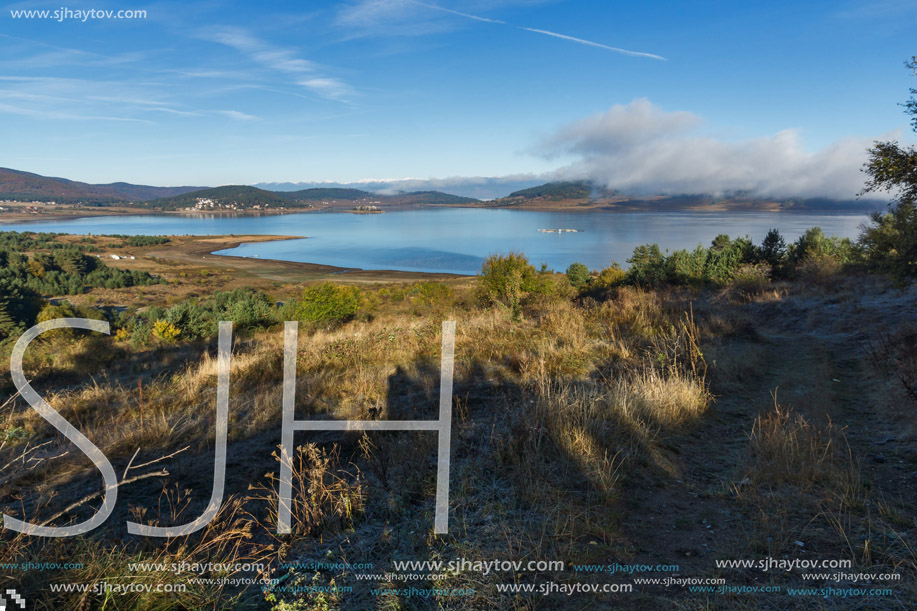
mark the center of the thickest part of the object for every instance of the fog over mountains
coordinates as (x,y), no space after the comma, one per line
(527,190)
(478,187)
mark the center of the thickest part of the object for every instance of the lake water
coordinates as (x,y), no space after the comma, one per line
(457,240)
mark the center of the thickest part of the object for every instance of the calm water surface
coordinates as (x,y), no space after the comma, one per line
(457,240)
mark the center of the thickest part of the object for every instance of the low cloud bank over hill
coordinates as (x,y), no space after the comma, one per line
(641,148)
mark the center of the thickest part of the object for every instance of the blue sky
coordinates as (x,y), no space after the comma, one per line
(778,97)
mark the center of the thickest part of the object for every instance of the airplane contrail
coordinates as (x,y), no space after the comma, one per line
(592,44)
(581,41)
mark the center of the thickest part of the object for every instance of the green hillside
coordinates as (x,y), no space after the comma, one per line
(230,197)
(353,195)
(556,190)
(430,198)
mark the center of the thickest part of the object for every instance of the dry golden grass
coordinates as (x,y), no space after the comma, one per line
(788,449)
(559,415)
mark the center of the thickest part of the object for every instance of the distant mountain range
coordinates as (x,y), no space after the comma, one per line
(25,186)
(480,187)
(21,186)
(328,195)
(242,197)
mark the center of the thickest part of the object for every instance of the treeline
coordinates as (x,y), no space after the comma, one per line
(513,282)
(322,305)
(25,280)
(727,259)
(319,306)
(15,241)
(138,241)
(30,241)
(509,280)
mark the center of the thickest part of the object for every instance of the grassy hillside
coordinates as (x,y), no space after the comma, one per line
(732,402)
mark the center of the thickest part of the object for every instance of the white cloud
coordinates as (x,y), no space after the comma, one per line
(60,115)
(481,187)
(641,148)
(305,73)
(235,114)
(332,88)
(390,18)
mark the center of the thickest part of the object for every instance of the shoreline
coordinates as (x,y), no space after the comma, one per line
(21,218)
(200,250)
(649,209)
(18,218)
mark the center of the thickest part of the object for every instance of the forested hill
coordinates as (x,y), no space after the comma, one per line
(231,197)
(411,198)
(556,190)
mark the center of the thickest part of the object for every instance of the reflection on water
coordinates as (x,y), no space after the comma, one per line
(456,240)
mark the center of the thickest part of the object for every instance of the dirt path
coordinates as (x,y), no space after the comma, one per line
(813,354)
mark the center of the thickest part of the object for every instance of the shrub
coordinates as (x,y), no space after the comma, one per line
(610,277)
(325,305)
(820,271)
(36,268)
(647,266)
(751,280)
(19,305)
(166,331)
(773,249)
(814,244)
(246,308)
(725,257)
(145,240)
(140,335)
(192,320)
(890,244)
(431,297)
(51,312)
(508,279)
(74,262)
(546,283)
(683,267)
(578,275)
(154,313)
